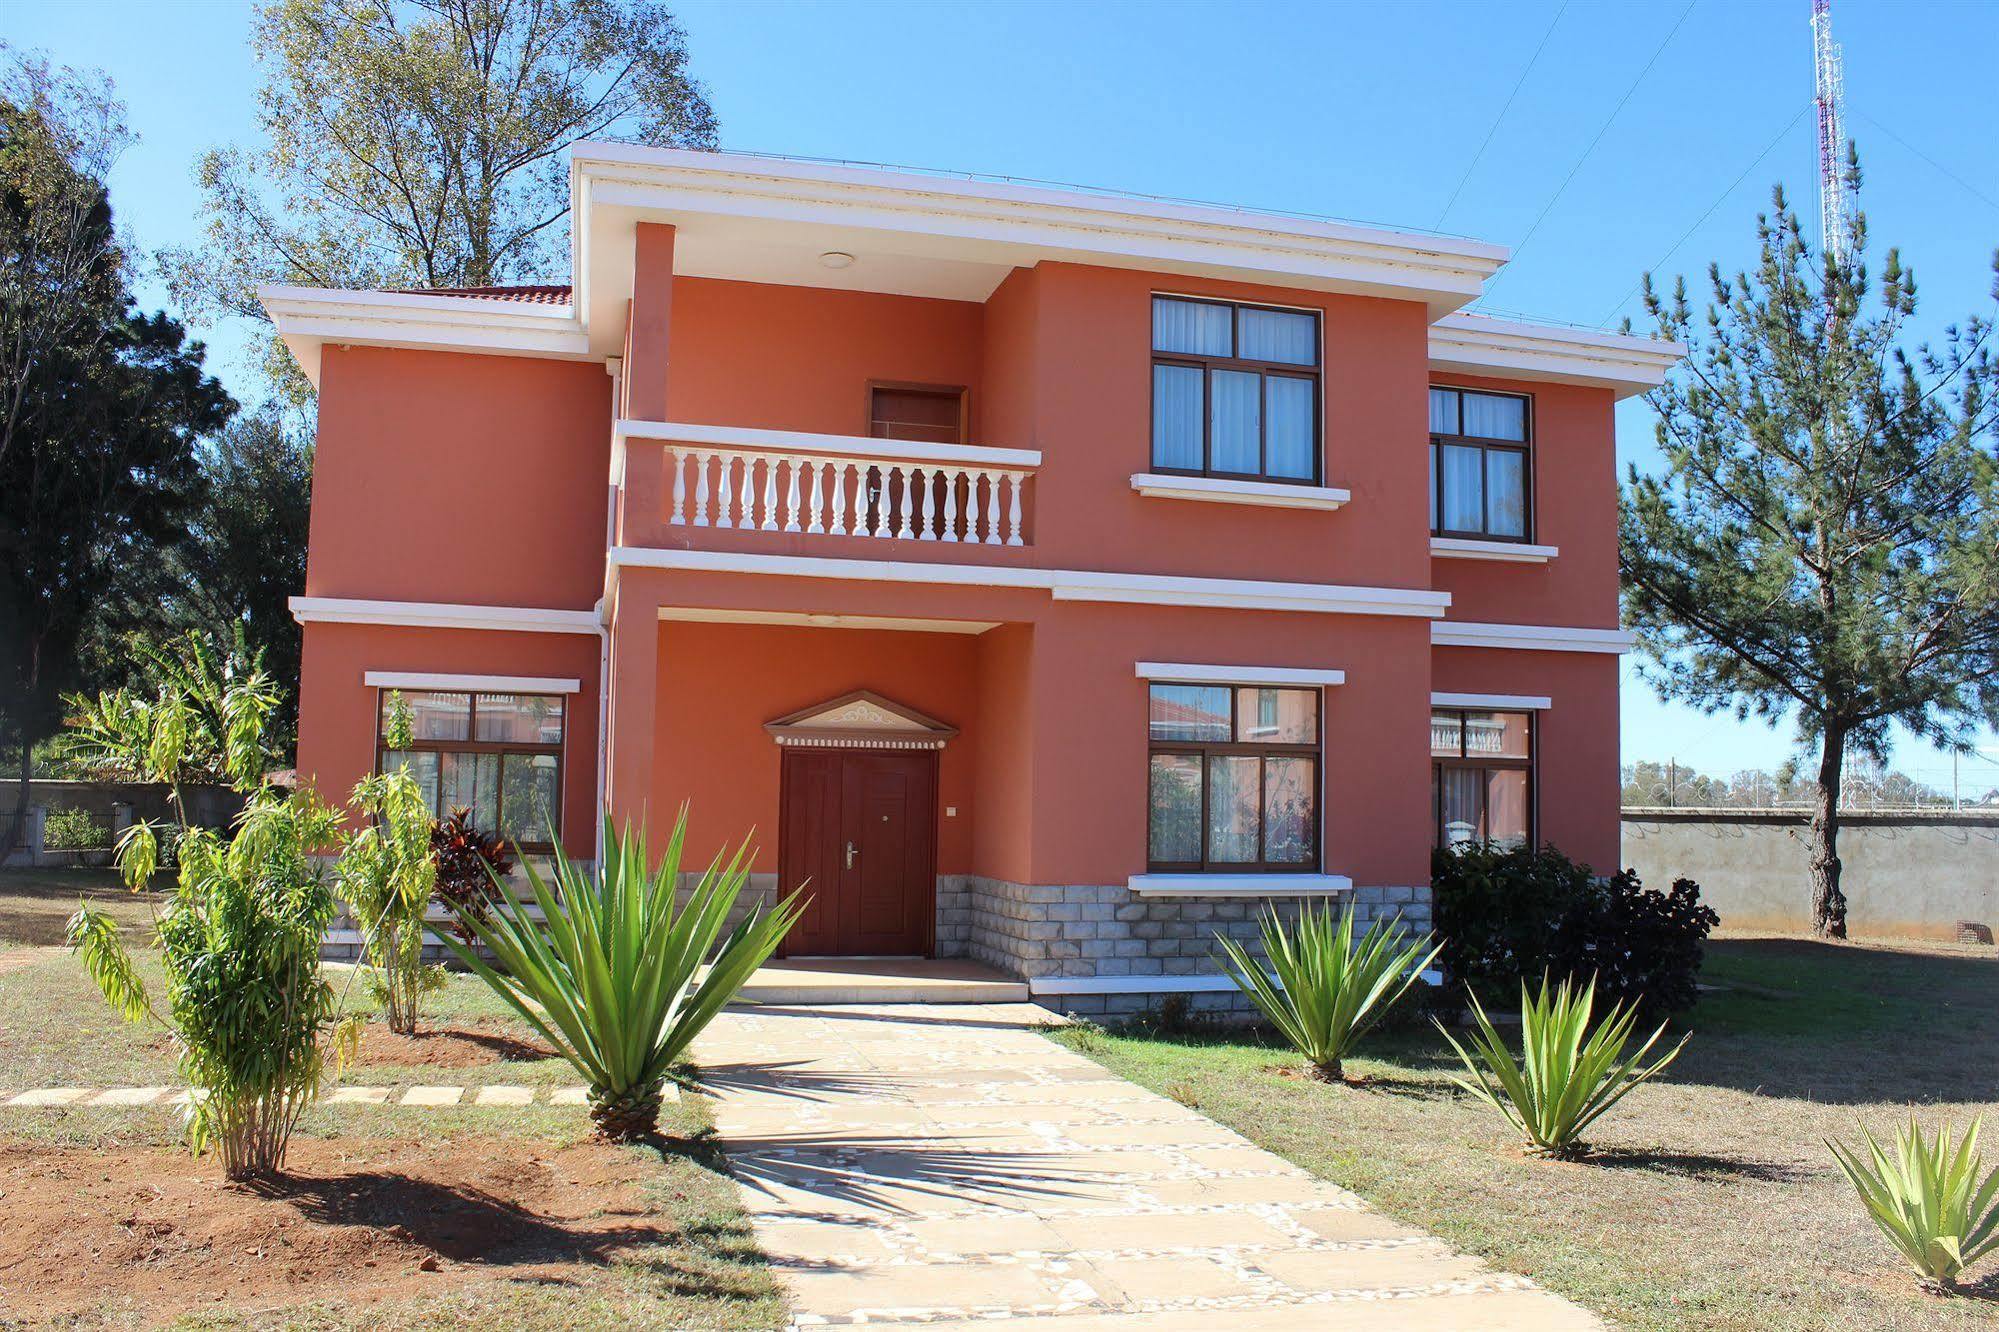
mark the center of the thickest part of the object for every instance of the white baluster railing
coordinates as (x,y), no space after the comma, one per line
(755,489)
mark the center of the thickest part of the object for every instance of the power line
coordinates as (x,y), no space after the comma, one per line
(1735,185)
(1969,188)
(1609,120)
(1518,84)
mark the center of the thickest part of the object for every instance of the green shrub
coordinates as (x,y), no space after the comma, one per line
(611,976)
(1328,990)
(72,829)
(239,937)
(1509,914)
(386,874)
(1570,1071)
(1927,1198)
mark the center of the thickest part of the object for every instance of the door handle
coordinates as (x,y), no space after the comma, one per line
(850,855)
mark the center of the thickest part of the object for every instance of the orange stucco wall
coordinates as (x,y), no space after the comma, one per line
(467,479)
(337,712)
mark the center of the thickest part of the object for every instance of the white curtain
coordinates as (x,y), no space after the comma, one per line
(1176,417)
(1191,327)
(1288,408)
(1279,335)
(1464,509)
(1233,414)
(1492,416)
(1506,493)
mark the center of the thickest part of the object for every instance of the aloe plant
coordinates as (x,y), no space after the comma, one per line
(611,976)
(1328,990)
(1927,1198)
(1571,1070)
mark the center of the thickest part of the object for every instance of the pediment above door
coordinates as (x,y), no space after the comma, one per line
(862,719)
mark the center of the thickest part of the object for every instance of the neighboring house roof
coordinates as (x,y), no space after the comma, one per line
(531,294)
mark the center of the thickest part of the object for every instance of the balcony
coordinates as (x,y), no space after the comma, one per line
(678,479)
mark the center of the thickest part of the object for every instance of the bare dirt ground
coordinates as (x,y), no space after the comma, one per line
(364,1222)
(463,1043)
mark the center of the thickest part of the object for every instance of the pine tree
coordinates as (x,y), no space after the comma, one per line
(1823,544)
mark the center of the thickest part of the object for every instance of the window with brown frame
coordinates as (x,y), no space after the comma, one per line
(1234,783)
(1482,768)
(931,413)
(1235,391)
(497,755)
(1481,481)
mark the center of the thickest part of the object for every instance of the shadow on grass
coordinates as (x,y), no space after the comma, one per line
(1696,1165)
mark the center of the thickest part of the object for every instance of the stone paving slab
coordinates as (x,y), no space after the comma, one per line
(945,1167)
(419,1097)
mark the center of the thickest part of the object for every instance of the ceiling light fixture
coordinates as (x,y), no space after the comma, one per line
(837,259)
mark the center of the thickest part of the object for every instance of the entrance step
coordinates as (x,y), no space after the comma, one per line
(842,980)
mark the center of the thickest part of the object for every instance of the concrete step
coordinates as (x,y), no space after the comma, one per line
(851,980)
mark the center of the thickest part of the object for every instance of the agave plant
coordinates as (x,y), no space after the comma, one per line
(1570,1071)
(1927,1199)
(611,976)
(1328,990)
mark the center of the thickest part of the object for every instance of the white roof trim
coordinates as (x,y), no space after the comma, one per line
(1172,671)
(441,615)
(310,317)
(1505,552)
(1212,490)
(1061,584)
(1529,637)
(491,684)
(1475,344)
(1497,702)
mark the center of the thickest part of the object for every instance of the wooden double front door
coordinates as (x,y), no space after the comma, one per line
(858,830)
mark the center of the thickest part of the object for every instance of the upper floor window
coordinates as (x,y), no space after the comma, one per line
(497,755)
(1480,769)
(1235,390)
(1234,783)
(1479,480)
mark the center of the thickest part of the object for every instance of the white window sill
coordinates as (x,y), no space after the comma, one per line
(1214,490)
(1238,885)
(1507,552)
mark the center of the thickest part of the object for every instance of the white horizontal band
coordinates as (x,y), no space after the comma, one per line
(1529,637)
(1248,675)
(442,615)
(1061,985)
(1506,552)
(1515,702)
(1061,584)
(798,441)
(1238,885)
(488,684)
(1215,490)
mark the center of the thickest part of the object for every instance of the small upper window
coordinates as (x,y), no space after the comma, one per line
(1235,390)
(1480,483)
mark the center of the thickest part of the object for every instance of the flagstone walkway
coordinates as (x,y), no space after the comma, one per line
(946,1166)
(425,1096)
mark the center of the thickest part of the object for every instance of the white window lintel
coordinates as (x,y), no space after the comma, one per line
(473,684)
(1495,702)
(1179,672)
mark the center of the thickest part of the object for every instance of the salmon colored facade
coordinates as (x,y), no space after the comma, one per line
(1044,577)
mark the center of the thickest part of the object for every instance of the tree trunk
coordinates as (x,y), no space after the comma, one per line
(1828,902)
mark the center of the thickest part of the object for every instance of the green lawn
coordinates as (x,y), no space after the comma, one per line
(1712,1204)
(56,1030)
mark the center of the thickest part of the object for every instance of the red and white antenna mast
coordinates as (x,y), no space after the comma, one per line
(1834,205)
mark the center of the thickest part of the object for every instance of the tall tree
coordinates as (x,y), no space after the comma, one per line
(100,471)
(418,143)
(1823,544)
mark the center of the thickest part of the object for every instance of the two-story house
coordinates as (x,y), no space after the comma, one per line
(1049,577)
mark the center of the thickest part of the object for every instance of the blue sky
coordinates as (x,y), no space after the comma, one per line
(1371,112)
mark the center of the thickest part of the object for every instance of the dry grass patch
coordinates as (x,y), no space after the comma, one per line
(1711,1203)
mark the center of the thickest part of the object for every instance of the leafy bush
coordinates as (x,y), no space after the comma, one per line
(1328,991)
(1509,914)
(471,866)
(72,829)
(1570,1072)
(386,875)
(611,974)
(239,938)
(1927,1199)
